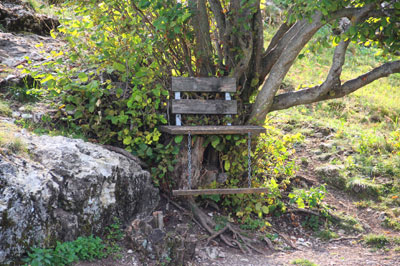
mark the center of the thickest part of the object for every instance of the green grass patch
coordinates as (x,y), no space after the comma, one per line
(5,109)
(377,241)
(327,235)
(303,262)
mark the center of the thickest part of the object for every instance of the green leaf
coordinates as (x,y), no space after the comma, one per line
(118,66)
(300,203)
(227,165)
(215,141)
(83,77)
(178,139)
(265,209)
(127,140)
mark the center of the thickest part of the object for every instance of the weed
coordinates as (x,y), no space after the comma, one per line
(308,198)
(5,110)
(363,187)
(9,142)
(313,222)
(327,235)
(253,224)
(303,262)
(83,248)
(377,241)
(391,223)
(113,236)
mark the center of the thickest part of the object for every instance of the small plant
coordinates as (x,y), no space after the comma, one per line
(303,262)
(313,222)
(363,187)
(253,224)
(113,236)
(308,198)
(327,235)
(4,109)
(83,248)
(377,241)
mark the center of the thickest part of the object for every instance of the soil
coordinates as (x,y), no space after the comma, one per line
(348,249)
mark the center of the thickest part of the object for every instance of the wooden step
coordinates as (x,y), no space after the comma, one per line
(212,130)
(192,192)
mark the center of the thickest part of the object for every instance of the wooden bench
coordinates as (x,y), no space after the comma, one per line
(227,107)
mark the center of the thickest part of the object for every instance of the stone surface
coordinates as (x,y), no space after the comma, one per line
(16,16)
(170,248)
(66,188)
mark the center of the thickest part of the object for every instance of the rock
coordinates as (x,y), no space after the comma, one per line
(16,16)
(26,116)
(326,147)
(324,157)
(66,188)
(15,114)
(332,175)
(175,248)
(212,252)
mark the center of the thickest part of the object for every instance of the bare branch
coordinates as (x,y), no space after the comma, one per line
(311,95)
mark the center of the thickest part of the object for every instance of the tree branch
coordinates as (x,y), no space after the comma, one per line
(306,96)
(279,70)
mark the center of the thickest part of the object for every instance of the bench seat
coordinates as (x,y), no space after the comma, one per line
(212,130)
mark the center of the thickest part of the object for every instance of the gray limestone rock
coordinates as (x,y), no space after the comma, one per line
(66,188)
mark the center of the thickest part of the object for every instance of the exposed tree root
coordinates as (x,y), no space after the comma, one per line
(238,240)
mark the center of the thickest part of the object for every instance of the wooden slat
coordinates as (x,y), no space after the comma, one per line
(204,107)
(192,192)
(224,84)
(212,130)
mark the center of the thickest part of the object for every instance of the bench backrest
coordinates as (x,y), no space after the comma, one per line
(190,106)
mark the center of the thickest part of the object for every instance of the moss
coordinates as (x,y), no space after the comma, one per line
(6,222)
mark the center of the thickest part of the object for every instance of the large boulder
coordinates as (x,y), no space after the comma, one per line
(16,16)
(65,188)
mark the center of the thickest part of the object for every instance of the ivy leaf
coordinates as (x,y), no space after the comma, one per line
(178,139)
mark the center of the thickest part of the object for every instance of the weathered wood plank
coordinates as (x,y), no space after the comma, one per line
(192,192)
(204,107)
(224,84)
(212,130)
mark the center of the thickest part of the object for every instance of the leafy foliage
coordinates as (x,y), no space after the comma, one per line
(112,79)
(83,248)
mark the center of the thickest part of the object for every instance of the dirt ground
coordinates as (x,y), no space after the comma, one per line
(348,249)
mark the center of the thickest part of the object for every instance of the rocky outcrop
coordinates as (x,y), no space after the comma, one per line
(16,16)
(65,188)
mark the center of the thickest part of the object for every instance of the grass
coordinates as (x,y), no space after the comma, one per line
(376,241)
(365,124)
(9,142)
(5,109)
(303,262)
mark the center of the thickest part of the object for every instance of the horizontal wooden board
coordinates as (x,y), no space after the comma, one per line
(192,192)
(212,130)
(204,107)
(193,84)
